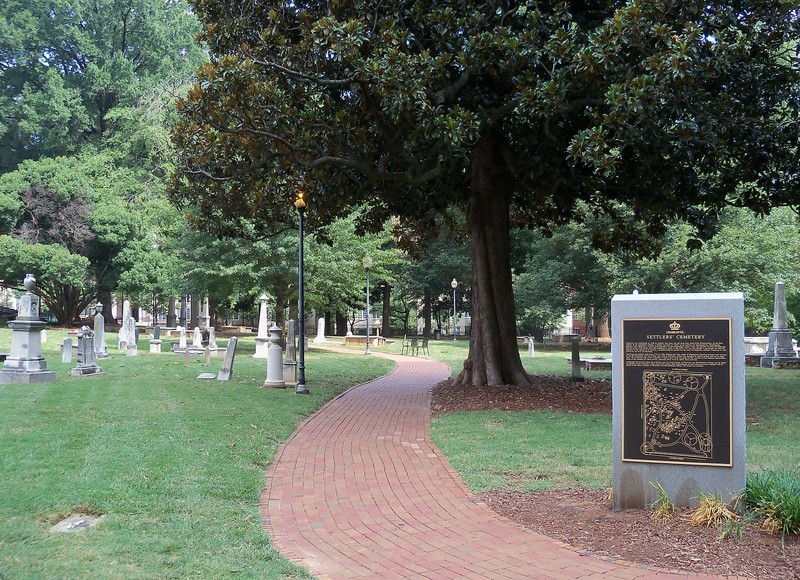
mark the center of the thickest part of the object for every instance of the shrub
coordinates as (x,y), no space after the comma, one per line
(775,495)
(711,512)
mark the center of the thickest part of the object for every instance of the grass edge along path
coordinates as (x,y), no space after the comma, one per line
(544,449)
(174,465)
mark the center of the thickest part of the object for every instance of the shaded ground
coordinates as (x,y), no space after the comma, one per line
(584,519)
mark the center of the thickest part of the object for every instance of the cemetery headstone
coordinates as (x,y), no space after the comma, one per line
(290,361)
(182,338)
(25,363)
(531,348)
(320,338)
(205,317)
(780,352)
(197,338)
(291,342)
(262,338)
(100,347)
(132,334)
(66,350)
(124,339)
(87,364)
(155,342)
(678,393)
(226,371)
(275,360)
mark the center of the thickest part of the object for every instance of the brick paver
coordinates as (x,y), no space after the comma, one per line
(359,491)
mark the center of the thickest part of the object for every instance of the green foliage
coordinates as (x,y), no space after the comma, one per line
(663,508)
(64,66)
(615,104)
(775,495)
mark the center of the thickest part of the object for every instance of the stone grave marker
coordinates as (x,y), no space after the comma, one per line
(66,350)
(132,334)
(780,353)
(262,339)
(320,338)
(226,371)
(275,360)
(155,342)
(87,364)
(100,347)
(25,363)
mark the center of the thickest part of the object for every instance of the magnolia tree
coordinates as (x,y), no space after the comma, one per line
(512,111)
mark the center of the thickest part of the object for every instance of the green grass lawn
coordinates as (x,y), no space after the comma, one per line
(174,464)
(546,450)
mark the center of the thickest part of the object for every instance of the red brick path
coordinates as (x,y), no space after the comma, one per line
(359,491)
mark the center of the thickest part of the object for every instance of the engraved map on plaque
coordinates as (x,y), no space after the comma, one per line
(676,391)
(677,414)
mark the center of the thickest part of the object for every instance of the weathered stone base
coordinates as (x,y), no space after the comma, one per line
(9,377)
(86,371)
(274,384)
(786,363)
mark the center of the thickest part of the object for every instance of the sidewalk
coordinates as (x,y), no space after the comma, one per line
(359,491)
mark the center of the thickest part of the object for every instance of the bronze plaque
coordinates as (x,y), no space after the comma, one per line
(676,391)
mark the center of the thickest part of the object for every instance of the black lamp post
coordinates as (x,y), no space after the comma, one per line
(367,266)
(454,285)
(301,389)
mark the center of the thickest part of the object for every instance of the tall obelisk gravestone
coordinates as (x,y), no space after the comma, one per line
(25,363)
(780,353)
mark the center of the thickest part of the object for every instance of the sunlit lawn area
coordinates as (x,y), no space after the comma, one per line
(175,464)
(545,449)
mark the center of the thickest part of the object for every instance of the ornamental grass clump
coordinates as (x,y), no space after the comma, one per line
(775,495)
(663,506)
(711,512)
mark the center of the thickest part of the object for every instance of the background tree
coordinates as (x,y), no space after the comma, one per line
(511,111)
(64,66)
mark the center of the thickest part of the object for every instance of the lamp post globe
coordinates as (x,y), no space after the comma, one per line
(301,388)
(367,266)
(454,285)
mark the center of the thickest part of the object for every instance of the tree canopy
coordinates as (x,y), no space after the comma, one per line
(65,65)
(514,111)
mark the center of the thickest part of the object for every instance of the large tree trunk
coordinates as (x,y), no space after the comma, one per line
(493,354)
(426,312)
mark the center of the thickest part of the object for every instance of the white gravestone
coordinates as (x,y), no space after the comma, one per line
(132,342)
(320,331)
(86,354)
(66,350)
(226,372)
(123,331)
(262,338)
(100,347)
(25,363)
(275,360)
(780,351)
(197,338)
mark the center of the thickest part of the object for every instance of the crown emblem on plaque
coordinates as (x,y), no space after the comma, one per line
(675,326)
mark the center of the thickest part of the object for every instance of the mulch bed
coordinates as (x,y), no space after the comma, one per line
(584,519)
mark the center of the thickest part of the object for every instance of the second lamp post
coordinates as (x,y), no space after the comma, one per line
(454,285)
(367,266)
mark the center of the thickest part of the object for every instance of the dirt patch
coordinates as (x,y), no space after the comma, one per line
(584,519)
